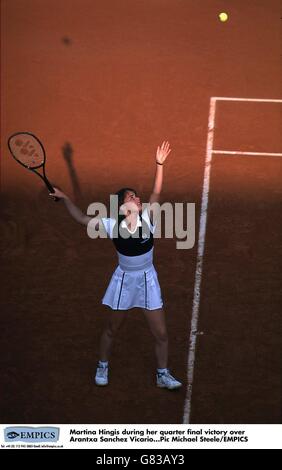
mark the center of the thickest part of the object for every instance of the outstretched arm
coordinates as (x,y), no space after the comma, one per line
(161,155)
(74,211)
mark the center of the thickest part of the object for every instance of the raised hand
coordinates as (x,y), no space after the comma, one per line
(163,152)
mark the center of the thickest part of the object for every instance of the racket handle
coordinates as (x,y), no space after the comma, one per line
(55,199)
(51,189)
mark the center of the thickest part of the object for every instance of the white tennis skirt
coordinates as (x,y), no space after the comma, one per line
(134,283)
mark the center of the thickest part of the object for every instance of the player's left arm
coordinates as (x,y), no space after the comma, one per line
(161,155)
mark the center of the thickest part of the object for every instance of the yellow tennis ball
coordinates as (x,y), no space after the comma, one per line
(223,16)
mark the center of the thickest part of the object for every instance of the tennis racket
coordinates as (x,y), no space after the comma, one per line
(27,150)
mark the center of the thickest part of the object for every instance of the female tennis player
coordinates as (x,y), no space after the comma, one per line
(134,283)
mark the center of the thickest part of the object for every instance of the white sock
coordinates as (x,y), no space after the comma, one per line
(162,371)
(103,363)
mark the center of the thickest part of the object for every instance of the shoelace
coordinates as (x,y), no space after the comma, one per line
(102,371)
(168,375)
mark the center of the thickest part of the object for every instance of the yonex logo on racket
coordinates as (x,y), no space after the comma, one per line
(29,152)
(26,148)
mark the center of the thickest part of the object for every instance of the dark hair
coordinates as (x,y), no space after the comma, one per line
(121,195)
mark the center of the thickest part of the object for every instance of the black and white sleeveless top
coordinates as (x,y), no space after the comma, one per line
(130,243)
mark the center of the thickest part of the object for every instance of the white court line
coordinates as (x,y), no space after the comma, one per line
(257,154)
(201,245)
(259,100)
(199,264)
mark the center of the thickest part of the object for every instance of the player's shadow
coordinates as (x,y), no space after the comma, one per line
(67,151)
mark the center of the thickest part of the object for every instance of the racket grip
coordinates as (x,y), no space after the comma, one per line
(55,199)
(51,189)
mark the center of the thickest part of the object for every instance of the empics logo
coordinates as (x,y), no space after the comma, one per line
(31,434)
(12,434)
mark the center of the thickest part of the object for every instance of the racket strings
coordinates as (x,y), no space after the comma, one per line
(28,152)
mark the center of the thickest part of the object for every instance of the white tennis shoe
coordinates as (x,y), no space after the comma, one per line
(101,377)
(166,380)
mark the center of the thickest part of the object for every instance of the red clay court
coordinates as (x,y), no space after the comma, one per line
(103,83)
